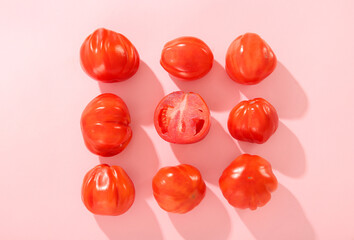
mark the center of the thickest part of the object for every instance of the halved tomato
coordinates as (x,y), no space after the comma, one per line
(182,118)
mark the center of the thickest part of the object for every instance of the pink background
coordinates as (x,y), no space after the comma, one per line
(43,91)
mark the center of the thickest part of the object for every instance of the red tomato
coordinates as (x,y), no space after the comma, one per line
(178,189)
(105,125)
(182,118)
(248,181)
(188,58)
(107,190)
(108,56)
(253,121)
(249,59)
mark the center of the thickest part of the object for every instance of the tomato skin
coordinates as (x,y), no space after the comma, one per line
(248,181)
(182,118)
(108,56)
(253,121)
(105,125)
(178,189)
(249,59)
(188,58)
(107,190)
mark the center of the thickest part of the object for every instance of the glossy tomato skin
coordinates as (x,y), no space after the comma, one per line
(107,190)
(105,125)
(108,56)
(253,121)
(188,58)
(182,118)
(248,182)
(178,189)
(249,59)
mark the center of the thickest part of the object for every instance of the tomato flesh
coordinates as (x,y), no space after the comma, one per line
(182,118)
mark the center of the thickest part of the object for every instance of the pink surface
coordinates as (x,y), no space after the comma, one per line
(43,91)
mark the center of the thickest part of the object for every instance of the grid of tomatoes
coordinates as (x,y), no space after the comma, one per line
(180,118)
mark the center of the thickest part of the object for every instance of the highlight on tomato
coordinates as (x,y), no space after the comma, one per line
(178,189)
(249,59)
(182,118)
(188,58)
(107,190)
(105,125)
(253,121)
(108,56)
(248,182)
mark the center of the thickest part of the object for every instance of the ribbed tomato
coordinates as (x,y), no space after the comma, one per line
(182,118)
(249,59)
(253,121)
(107,190)
(187,58)
(248,182)
(108,56)
(105,125)
(178,189)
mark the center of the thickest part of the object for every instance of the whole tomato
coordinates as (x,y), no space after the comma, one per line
(105,125)
(249,59)
(187,58)
(253,121)
(107,190)
(182,118)
(178,189)
(108,56)
(248,181)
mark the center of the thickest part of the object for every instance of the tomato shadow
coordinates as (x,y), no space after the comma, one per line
(283,150)
(139,222)
(282,90)
(211,155)
(141,93)
(281,218)
(216,88)
(209,220)
(139,160)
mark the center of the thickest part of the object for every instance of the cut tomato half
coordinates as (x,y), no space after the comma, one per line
(182,118)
